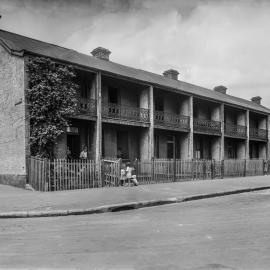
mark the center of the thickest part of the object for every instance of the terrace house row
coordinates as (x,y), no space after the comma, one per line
(145,115)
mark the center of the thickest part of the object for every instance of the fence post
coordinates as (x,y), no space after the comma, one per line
(152,169)
(213,169)
(119,172)
(264,167)
(174,170)
(245,168)
(101,175)
(204,169)
(222,164)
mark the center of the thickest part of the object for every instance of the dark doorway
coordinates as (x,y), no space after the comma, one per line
(73,143)
(170,146)
(112,95)
(122,143)
(159,104)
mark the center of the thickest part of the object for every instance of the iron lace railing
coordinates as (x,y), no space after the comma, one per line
(257,133)
(235,130)
(111,110)
(171,120)
(87,106)
(207,126)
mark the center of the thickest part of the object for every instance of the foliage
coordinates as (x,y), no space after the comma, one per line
(51,97)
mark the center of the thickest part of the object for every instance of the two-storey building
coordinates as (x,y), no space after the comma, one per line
(126,110)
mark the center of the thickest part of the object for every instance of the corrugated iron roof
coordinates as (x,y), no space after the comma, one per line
(19,44)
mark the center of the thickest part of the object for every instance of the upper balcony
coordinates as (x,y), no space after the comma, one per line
(170,110)
(115,111)
(87,106)
(171,120)
(205,126)
(124,102)
(236,131)
(258,134)
(235,122)
(258,126)
(206,117)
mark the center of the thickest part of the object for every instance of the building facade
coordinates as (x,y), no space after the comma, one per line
(128,111)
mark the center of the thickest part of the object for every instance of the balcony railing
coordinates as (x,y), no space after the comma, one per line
(257,133)
(87,106)
(111,110)
(207,126)
(235,131)
(171,120)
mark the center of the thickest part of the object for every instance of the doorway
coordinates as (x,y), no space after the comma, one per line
(122,143)
(73,143)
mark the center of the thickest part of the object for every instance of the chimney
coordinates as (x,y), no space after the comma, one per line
(101,53)
(256,99)
(171,73)
(221,89)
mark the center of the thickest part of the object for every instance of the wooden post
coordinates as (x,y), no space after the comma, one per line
(213,176)
(152,169)
(190,138)
(245,168)
(222,168)
(98,129)
(151,128)
(174,170)
(247,140)
(221,157)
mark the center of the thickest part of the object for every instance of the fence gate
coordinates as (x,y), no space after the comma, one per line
(111,172)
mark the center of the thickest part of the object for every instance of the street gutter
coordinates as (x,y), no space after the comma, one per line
(122,206)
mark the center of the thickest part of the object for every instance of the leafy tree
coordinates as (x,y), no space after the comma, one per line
(51,97)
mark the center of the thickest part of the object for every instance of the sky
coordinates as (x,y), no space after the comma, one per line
(210,42)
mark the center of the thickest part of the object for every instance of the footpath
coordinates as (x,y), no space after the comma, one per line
(21,203)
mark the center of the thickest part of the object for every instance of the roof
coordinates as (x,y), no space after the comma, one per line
(21,45)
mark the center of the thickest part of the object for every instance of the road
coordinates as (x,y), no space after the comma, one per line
(229,232)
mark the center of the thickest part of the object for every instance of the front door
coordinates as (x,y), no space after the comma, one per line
(170,146)
(122,143)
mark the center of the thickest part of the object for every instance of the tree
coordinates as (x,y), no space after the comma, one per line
(51,97)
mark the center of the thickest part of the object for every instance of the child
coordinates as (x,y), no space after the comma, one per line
(123,176)
(130,174)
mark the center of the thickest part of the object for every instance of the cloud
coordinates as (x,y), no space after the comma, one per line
(209,42)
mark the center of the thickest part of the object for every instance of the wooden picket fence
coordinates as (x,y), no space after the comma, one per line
(175,170)
(62,174)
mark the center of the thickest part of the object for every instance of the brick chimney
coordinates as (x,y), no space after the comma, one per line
(101,53)
(256,99)
(171,73)
(221,89)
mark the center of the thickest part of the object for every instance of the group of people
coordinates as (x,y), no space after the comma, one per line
(128,174)
(127,171)
(83,153)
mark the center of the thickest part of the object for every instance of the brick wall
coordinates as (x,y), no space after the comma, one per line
(12,119)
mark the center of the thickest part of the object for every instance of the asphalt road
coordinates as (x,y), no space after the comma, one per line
(231,232)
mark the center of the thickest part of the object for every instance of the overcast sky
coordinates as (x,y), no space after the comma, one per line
(209,42)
